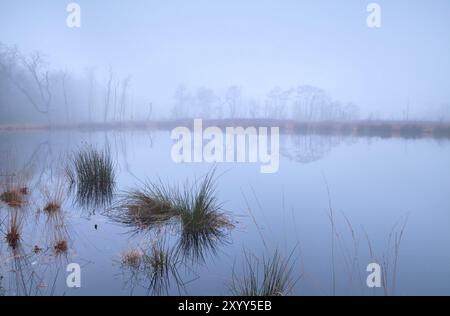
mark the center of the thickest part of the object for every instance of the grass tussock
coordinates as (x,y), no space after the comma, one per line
(54,199)
(14,229)
(160,260)
(147,207)
(15,195)
(154,267)
(92,166)
(194,210)
(61,247)
(132,258)
(52,206)
(271,276)
(203,223)
(14,199)
(14,191)
(92,172)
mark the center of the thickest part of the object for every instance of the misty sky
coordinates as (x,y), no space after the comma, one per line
(257,44)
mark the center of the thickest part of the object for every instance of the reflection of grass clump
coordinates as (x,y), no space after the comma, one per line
(162,264)
(154,268)
(269,277)
(160,260)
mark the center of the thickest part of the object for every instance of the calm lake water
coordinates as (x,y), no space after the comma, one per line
(376,187)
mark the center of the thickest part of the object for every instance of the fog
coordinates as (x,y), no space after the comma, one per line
(223,59)
(226,147)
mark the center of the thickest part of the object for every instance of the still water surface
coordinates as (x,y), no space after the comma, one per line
(376,187)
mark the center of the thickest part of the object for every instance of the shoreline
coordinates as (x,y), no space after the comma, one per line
(360,128)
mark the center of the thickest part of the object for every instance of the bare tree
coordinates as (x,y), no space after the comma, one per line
(182,100)
(150,111)
(254,108)
(35,66)
(15,67)
(108,94)
(205,101)
(91,93)
(351,112)
(64,76)
(233,99)
(310,103)
(124,96)
(116,88)
(276,103)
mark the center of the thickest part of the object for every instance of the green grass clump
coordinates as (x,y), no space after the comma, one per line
(92,171)
(14,229)
(203,223)
(194,210)
(162,262)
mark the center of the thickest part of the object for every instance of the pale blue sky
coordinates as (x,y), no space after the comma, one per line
(258,44)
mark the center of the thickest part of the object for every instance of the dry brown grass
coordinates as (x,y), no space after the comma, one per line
(15,198)
(14,189)
(132,258)
(141,209)
(54,199)
(52,206)
(61,246)
(13,235)
(13,238)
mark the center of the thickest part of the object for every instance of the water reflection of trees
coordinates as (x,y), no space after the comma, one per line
(45,154)
(308,148)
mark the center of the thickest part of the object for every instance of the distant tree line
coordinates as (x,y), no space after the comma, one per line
(31,91)
(305,102)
